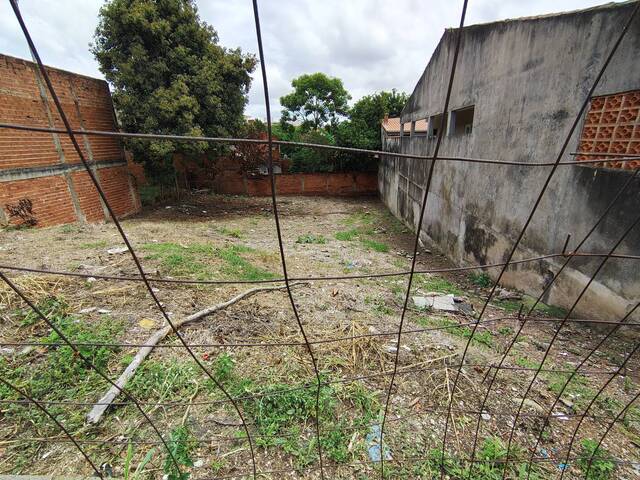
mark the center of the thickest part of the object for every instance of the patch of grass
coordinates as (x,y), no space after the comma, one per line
(489,465)
(505,331)
(378,305)
(181,444)
(232,232)
(346,235)
(56,373)
(238,267)
(161,379)
(578,388)
(92,245)
(483,338)
(373,245)
(311,238)
(69,228)
(602,466)
(480,279)
(283,413)
(513,306)
(433,283)
(190,260)
(181,260)
(526,363)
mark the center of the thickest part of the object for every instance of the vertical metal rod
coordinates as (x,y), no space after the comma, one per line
(274,204)
(417,237)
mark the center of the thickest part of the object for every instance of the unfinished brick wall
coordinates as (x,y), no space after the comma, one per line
(612,125)
(45,168)
(344,184)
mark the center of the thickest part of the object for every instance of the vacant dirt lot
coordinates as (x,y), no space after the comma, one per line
(272,379)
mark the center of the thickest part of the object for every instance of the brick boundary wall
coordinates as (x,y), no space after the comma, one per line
(45,168)
(345,184)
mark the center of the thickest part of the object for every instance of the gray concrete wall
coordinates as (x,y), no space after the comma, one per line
(527,79)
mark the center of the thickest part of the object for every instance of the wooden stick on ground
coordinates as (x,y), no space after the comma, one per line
(96,413)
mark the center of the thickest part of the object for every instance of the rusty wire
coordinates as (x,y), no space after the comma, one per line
(523,319)
(327,278)
(274,203)
(376,153)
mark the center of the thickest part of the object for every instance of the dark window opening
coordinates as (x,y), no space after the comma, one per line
(462,121)
(435,124)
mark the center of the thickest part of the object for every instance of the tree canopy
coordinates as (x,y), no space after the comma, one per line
(359,129)
(317,100)
(170,76)
(362,129)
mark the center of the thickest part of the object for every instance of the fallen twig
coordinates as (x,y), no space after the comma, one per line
(97,411)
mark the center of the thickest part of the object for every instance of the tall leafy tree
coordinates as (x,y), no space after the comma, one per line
(317,100)
(169,75)
(362,130)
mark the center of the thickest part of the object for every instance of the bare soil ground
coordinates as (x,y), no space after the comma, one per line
(209,237)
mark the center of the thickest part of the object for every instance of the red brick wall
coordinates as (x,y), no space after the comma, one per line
(300,184)
(612,125)
(64,194)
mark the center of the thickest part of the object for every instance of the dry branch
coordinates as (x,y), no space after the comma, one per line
(96,413)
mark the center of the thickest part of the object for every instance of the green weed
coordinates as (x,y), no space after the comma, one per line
(69,228)
(489,465)
(238,267)
(505,330)
(93,245)
(602,466)
(160,379)
(181,444)
(378,305)
(480,279)
(432,283)
(346,235)
(482,338)
(128,463)
(55,372)
(310,238)
(190,260)
(513,306)
(181,260)
(526,363)
(373,245)
(233,232)
(578,388)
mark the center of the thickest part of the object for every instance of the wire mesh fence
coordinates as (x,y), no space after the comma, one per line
(473,429)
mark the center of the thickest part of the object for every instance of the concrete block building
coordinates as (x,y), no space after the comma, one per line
(518,87)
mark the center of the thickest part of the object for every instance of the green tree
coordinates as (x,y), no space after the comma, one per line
(362,130)
(170,76)
(309,160)
(316,100)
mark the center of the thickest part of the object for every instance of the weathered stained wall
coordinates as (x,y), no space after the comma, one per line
(45,168)
(527,79)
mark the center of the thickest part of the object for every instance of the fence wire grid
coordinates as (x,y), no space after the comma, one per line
(385,465)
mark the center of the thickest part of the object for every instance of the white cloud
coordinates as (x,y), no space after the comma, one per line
(370,44)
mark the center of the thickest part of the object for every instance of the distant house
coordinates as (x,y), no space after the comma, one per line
(391,127)
(517,89)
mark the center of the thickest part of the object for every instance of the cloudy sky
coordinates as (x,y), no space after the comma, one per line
(370,44)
